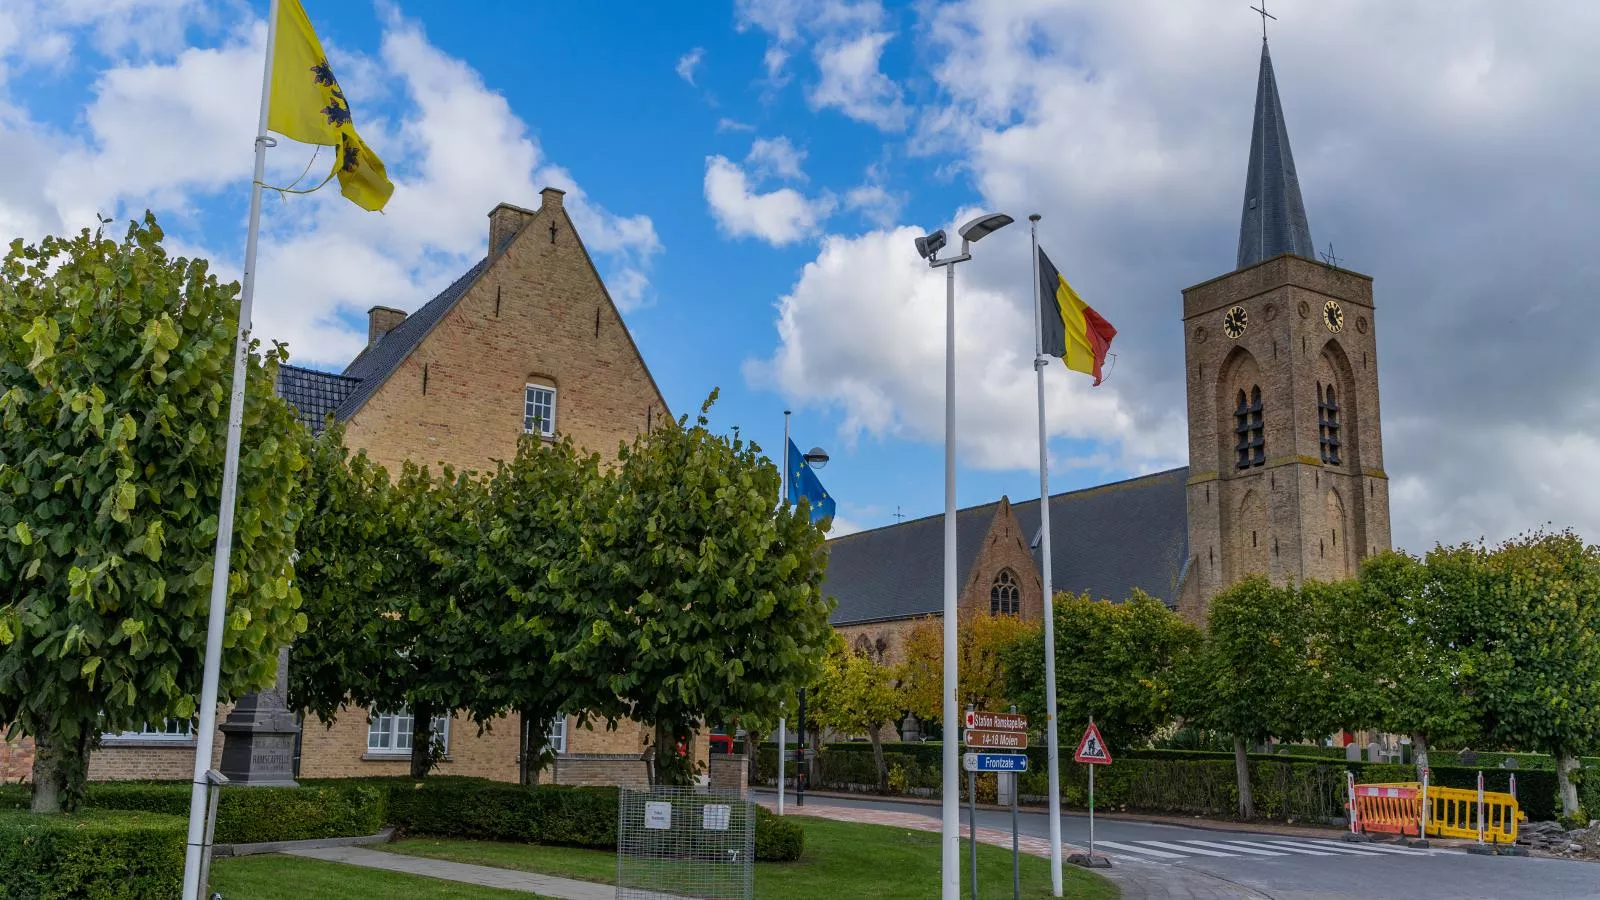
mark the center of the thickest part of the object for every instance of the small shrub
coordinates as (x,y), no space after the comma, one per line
(487,810)
(778,839)
(253,815)
(99,854)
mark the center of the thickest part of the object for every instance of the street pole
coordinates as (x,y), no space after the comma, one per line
(972,826)
(783,497)
(952,791)
(1052,740)
(206,728)
(1091,812)
(783,750)
(801,769)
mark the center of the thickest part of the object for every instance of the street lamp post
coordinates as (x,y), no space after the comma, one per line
(816,458)
(928,248)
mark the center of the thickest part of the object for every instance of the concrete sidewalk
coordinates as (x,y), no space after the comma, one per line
(487,876)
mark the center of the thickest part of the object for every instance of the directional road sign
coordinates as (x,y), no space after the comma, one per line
(992,721)
(994,762)
(1001,740)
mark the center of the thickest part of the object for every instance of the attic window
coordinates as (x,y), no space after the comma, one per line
(539,410)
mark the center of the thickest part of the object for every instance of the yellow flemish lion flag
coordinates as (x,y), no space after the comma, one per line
(308,105)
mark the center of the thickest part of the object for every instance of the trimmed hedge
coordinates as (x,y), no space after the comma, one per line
(1190,782)
(245,815)
(99,854)
(778,839)
(495,811)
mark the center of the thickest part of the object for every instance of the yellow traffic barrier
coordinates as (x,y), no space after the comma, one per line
(1453,812)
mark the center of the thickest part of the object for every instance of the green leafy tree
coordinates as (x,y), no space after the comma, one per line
(1255,677)
(116,362)
(855,694)
(381,592)
(1115,663)
(1531,618)
(712,606)
(1397,654)
(532,594)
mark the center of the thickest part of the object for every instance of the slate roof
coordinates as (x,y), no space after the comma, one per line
(313,394)
(1274,219)
(1106,540)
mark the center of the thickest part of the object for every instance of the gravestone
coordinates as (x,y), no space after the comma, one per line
(1374,752)
(1352,752)
(910,729)
(259,734)
(1467,758)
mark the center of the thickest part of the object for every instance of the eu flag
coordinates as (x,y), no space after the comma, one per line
(803,483)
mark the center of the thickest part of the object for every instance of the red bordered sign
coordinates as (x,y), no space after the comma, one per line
(1092,749)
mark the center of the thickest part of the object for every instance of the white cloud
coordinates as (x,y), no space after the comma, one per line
(863,333)
(689,62)
(726,124)
(853,83)
(779,217)
(874,202)
(847,40)
(776,158)
(172,135)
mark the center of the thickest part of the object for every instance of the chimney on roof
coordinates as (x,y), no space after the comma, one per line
(505,221)
(380,321)
(551,197)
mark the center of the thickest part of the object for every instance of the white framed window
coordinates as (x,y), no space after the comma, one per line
(539,410)
(164,730)
(391,732)
(557,737)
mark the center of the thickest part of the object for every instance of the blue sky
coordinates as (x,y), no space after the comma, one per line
(749,174)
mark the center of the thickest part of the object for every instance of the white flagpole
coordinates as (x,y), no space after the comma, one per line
(783,732)
(205,733)
(1052,740)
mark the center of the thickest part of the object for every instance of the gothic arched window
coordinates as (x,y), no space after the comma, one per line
(1328,424)
(1250,444)
(1005,599)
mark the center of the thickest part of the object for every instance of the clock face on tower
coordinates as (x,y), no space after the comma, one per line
(1235,321)
(1333,316)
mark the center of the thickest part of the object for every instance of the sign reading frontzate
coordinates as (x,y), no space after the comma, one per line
(1004,740)
(992,721)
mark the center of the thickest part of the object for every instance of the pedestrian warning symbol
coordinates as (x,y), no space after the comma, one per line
(1092,749)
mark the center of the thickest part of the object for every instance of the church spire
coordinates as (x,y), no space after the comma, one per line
(1274,220)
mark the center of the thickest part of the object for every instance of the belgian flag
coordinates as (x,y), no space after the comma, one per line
(1072,329)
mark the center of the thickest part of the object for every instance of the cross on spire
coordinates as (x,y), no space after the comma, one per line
(1262,9)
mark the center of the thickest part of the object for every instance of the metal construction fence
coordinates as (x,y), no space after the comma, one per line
(683,842)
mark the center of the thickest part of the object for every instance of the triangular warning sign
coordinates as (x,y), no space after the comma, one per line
(1092,749)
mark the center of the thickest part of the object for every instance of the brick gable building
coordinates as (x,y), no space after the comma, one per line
(526,340)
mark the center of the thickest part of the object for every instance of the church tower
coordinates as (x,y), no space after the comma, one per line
(1285,452)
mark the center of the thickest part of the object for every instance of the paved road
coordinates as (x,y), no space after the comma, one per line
(1299,868)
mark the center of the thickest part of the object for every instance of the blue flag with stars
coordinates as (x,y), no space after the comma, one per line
(803,483)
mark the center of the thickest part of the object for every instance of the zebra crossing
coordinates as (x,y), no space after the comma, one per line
(1169,851)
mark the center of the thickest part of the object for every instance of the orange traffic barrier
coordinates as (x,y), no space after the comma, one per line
(1388,808)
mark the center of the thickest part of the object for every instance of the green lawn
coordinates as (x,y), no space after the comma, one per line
(842,860)
(288,878)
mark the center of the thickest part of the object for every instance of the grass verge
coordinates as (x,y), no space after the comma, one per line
(274,877)
(842,859)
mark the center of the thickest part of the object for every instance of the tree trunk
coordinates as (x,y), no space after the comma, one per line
(422,758)
(526,773)
(1566,764)
(535,738)
(60,767)
(1419,752)
(1241,765)
(875,735)
(671,769)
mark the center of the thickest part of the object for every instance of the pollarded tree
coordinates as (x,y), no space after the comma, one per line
(1398,655)
(1531,618)
(381,590)
(1255,677)
(711,605)
(531,595)
(1115,662)
(116,362)
(855,694)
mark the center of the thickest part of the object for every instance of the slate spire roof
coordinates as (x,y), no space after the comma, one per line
(1274,220)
